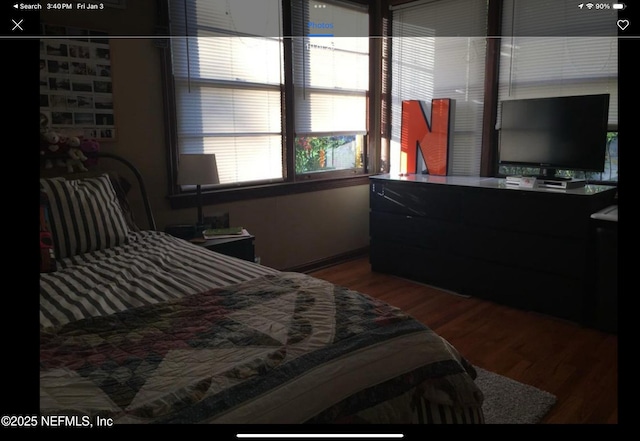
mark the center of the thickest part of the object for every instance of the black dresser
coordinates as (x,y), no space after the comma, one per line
(529,248)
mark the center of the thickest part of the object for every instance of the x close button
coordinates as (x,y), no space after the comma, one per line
(17,25)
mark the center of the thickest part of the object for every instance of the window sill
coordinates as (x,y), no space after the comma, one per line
(188,200)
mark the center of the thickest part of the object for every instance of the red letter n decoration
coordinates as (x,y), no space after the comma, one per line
(432,139)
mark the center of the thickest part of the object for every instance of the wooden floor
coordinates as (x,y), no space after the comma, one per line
(577,364)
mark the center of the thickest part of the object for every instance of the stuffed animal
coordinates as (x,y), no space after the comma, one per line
(53,147)
(76,157)
(90,146)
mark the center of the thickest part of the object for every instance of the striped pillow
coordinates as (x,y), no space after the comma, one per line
(85,215)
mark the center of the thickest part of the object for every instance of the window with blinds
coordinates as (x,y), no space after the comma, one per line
(227,59)
(430,61)
(558,51)
(331,82)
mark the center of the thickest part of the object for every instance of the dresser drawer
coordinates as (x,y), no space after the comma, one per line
(433,202)
(429,234)
(437,269)
(565,256)
(526,211)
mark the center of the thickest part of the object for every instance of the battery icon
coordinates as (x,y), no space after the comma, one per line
(618,6)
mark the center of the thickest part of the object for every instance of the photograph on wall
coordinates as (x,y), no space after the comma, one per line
(75,82)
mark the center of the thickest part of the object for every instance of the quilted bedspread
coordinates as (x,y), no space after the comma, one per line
(281,348)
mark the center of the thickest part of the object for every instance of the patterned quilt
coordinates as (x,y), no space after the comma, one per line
(281,348)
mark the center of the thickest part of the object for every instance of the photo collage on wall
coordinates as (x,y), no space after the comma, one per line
(76,94)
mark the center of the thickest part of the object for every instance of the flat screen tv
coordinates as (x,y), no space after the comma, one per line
(566,133)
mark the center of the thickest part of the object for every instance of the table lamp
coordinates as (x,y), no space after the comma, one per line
(198,170)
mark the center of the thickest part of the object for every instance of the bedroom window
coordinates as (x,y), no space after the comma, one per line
(544,53)
(228,77)
(331,80)
(276,89)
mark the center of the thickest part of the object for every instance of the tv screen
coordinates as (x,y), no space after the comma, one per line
(567,133)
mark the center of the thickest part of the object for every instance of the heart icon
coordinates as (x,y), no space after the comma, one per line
(622,24)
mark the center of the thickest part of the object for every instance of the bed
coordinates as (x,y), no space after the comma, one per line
(145,328)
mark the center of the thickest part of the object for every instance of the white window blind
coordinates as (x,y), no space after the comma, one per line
(558,51)
(228,72)
(438,51)
(331,73)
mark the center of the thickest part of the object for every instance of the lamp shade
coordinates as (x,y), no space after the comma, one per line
(200,169)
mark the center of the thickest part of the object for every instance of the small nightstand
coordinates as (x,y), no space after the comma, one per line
(241,247)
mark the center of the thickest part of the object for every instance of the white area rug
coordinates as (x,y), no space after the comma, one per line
(510,402)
